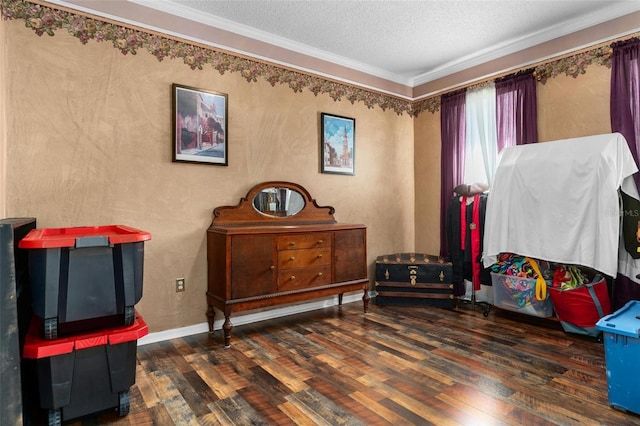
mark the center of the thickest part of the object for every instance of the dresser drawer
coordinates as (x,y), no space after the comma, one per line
(295,279)
(288,259)
(304,241)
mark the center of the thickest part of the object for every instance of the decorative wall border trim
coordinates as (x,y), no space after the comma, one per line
(44,19)
(47,20)
(575,64)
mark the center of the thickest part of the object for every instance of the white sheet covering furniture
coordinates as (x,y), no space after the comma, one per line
(558,201)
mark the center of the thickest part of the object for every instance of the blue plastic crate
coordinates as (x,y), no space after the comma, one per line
(621,331)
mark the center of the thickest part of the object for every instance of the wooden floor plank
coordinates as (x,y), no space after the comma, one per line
(196,401)
(239,411)
(297,416)
(180,412)
(393,365)
(284,376)
(145,387)
(388,415)
(340,397)
(263,405)
(421,408)
(469,414)
(578,390)
(212,378)
(323,410)
(561,415)
(495,407)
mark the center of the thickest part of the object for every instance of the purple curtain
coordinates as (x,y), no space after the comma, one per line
(625,119)
(452,135)
(516,109)
(625,93)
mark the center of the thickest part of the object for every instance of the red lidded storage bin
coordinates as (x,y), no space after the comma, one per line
(86,373)
(84,278)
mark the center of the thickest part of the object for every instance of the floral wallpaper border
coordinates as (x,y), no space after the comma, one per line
(46,20)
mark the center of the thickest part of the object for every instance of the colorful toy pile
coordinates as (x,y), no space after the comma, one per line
(578,295)
(521,272)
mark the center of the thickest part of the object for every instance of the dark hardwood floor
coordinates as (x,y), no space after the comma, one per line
(393,365)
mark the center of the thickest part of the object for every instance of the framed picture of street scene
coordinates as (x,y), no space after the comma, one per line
(337,144)
(199,125)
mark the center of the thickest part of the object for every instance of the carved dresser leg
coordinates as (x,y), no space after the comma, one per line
(210,317)
(365,299)
(227,326)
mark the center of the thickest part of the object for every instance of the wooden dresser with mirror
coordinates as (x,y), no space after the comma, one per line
(278,246)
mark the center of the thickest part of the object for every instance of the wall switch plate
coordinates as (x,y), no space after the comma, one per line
(179,284)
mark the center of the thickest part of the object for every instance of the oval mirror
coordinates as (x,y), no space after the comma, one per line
(278,202)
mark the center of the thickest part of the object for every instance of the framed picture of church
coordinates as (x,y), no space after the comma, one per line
(199,126)
(337,144)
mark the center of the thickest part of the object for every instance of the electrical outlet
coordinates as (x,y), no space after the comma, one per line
(179,284)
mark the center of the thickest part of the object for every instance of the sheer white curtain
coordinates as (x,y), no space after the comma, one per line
(481,153)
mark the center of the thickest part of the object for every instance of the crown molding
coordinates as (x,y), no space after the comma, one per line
(544,35)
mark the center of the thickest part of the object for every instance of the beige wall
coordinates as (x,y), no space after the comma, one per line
(89,143)
(3,121)
(567,108)
(88,139)
(573,107)
(427,182)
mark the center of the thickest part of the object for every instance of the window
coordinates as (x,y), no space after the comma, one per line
(481,144)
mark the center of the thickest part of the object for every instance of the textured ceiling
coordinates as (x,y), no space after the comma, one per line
(409,43)
(405,41)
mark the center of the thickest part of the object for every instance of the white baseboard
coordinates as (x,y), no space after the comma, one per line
(248,318)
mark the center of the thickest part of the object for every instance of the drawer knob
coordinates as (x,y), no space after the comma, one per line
(272,267)
(292,258)
(292,278)
(441,275)
(320,255)
(320,241)
(292,243)
(386,274)
(413,279)
(319,274)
